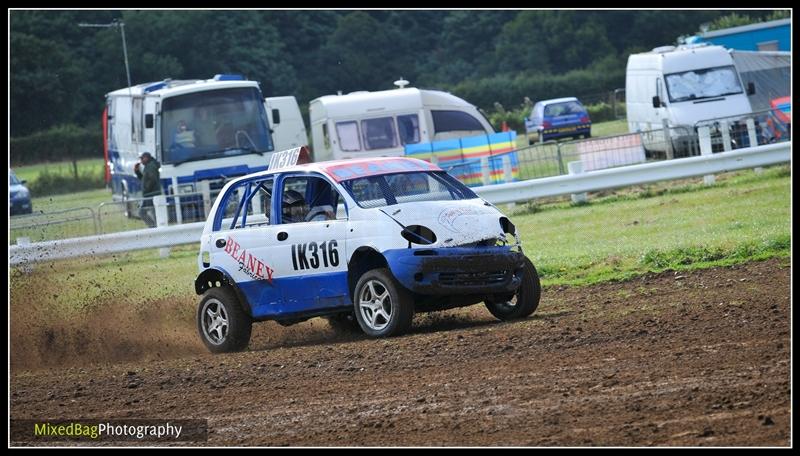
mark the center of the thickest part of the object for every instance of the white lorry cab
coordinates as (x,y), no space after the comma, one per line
(381,124)
(682,86)
(365,243)
(199,130)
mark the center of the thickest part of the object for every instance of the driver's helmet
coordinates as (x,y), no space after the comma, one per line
(293,207)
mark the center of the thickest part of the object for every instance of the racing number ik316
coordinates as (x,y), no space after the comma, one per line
(313,256)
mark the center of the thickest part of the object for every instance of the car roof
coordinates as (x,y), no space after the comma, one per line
(340,170)
(558,100)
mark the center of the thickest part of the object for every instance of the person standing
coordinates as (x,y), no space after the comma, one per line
(147,171)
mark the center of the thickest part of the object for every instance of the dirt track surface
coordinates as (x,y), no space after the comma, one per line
(691,359)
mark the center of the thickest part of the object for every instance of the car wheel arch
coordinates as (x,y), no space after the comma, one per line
(363,259)
(214,277)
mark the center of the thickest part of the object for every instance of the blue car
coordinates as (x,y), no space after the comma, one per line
(19,197)
(556,119)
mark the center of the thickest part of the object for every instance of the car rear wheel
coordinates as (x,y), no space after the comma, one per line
(383,307)
(525,300)
(223,326)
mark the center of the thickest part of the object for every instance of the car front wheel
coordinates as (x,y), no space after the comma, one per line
(525,300)
(383,307)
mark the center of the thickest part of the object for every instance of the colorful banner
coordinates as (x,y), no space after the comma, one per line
(469,159)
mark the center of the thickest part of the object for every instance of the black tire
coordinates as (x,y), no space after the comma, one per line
(235,334)
(525,300)
(400,304)
(345,323)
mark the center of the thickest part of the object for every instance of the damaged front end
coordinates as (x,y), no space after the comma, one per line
(461,270)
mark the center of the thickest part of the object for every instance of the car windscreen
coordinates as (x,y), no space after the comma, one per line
(12,179)
(703,83)
(212,124)
(396,188)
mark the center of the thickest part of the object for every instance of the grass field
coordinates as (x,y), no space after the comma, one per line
(31,172)
(743,217)
(610,128)
(69,206)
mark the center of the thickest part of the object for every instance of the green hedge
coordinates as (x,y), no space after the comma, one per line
(603,112)
(63,142)
(511,91)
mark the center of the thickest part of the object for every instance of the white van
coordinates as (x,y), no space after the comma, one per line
(381,124)
(683,85)
(287,126)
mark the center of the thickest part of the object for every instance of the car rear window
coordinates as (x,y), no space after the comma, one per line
(563,109)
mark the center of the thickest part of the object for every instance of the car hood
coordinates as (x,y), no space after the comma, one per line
(15,188)
(454,222)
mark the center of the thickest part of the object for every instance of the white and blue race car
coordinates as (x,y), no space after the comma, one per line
(365,243)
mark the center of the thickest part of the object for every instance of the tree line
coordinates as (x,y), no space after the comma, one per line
(60,72)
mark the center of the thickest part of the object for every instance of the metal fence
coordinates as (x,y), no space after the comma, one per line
(552,158)
(109,217)
(40,226)
(759,128)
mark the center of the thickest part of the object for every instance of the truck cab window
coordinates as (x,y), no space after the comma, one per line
(224,122)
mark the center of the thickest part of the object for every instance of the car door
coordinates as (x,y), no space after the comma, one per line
(241,244)
(312,252)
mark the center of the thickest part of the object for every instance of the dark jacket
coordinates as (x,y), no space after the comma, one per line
(151,182)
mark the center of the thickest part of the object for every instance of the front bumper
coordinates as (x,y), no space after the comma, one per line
(457,270)
(20,206)
(566,131)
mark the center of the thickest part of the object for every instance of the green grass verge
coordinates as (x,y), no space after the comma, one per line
(744,217)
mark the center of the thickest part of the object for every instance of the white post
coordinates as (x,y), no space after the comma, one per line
(434,159)
(25,267)
(508,175)
(508,171)
(162,219)
(487,179)
(177,199)
(576,167)
(205,189)
(667,139)
(753,136)
(704,135)
(726,135)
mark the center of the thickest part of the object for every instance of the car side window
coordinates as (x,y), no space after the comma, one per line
(247,204)
(310,199)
